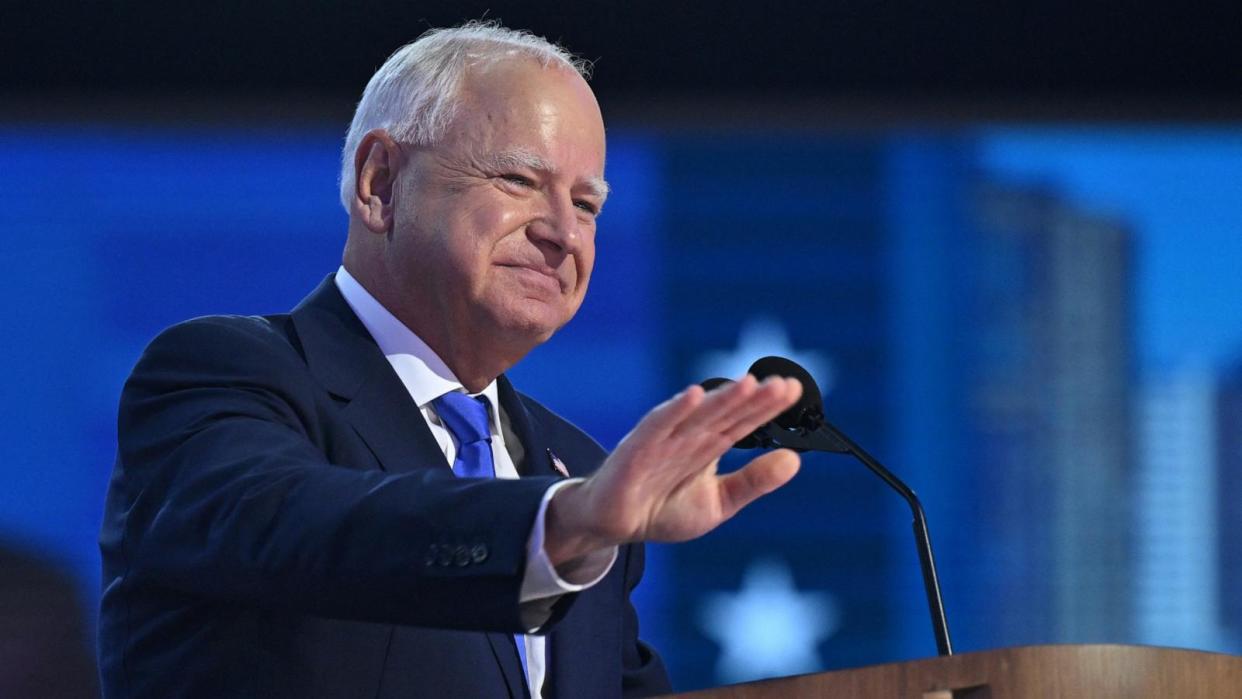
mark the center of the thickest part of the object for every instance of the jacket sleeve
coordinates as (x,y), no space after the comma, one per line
(222,490)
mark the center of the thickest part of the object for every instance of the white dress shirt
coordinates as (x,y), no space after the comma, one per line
(427,377)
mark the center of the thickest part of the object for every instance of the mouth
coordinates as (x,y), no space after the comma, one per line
(542,277)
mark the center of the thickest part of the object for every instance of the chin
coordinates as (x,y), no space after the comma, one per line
(535,324)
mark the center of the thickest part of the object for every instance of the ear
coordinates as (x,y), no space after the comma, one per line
(376,164)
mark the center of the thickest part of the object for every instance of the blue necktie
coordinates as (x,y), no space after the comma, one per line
(467,418)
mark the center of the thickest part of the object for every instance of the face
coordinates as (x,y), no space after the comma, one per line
(493,235)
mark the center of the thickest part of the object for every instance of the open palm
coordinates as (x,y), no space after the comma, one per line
(662,484)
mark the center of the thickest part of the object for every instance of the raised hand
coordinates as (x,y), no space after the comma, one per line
(661,482)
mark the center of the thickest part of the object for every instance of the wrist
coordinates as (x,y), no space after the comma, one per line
(568,534)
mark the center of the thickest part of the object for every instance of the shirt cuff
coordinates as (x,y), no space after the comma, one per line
(542,583)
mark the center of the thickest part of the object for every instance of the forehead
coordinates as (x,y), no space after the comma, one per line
(520,106)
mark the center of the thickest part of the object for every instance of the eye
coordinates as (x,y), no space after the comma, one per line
(587,206)
(516,179)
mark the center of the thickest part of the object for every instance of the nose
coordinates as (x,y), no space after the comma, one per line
(558,229)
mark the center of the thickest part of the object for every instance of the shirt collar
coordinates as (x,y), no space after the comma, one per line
(424,374)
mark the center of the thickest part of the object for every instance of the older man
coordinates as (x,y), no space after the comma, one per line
(328,503)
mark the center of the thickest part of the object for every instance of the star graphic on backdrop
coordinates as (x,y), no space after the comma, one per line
(761,337)
(768,628)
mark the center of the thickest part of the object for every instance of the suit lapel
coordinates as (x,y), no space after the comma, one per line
(345,359)
(385,416)
(538,453)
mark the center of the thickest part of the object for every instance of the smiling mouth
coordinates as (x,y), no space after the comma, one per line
(539,277)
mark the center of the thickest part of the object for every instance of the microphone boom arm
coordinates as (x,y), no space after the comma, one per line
(829,439)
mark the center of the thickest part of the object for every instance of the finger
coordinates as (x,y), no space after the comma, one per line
(773,394)
(714,412)
(761,476)
(768,403)
(770,398)
(661,420)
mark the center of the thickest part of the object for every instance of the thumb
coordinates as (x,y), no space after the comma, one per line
(761,476)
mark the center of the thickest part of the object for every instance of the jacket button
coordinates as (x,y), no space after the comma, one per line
(444,556)
(478,553)
(461,556)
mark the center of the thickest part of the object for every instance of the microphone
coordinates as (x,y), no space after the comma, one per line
(803,428)
(808,412)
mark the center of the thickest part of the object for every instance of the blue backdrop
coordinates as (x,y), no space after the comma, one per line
(957,293)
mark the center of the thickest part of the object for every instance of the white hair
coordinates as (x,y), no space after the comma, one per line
(414,95)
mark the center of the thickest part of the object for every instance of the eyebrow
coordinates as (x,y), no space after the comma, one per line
(521,158)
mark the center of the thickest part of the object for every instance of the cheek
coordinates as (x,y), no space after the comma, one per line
(487,225)
(472,230)
(586,260)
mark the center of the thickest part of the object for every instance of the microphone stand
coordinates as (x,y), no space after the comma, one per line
(827,438)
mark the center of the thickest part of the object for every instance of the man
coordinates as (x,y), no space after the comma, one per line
(304,505)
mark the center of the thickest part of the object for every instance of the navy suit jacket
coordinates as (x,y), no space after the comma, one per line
(280,523)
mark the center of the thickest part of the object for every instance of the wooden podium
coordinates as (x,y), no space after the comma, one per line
(1031,672)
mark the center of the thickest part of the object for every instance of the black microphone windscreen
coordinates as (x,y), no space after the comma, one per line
(811,402)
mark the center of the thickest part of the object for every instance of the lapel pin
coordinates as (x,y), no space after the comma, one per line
(558,465)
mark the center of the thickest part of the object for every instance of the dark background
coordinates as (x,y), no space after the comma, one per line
(1049,56)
